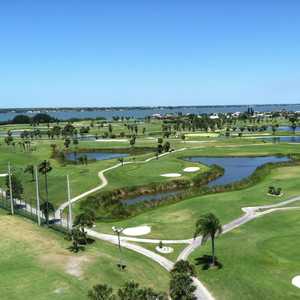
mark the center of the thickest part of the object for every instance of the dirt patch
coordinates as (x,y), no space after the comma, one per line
(182,215)
(75,265)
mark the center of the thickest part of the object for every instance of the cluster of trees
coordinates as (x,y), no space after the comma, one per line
(35,120)
(192,123)
(17,187)
(163,147)
(130,291)
(83,159)
(274,191)
(122,118)
(181,283)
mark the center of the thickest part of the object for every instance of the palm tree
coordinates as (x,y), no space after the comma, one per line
(273,129)
(181,287)
(294,126)
(208,226)
(121,160)
(85,219)
(132,141)
(47,208)
(101,292)
(183,266)
(30,169)
(75,236)
(44,168)
(132,290)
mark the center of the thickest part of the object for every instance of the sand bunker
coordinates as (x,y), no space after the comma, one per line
(171,175)
(191,169)
(296,281)
(164,249)
(112,140)
(3,175)
(136,231)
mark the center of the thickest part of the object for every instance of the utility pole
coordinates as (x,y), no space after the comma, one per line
(70,204)
(37,196)
(10,190)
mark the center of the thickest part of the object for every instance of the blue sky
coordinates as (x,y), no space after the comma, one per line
(159,52)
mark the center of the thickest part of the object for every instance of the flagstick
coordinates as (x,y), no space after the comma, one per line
(37,196)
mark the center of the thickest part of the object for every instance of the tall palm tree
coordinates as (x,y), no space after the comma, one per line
(44,168)
(47,208)
(208,226)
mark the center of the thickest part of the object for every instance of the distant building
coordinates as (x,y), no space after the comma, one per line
(214,116)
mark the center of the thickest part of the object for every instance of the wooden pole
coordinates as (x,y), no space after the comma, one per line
(37,196)
(70,204)
(10,190)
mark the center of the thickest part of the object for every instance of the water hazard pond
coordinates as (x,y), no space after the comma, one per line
(95,155)
(287,139)
(235,169)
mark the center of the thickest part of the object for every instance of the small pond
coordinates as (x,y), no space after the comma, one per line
(236,168)
(285,128)
(95,155)
(151,197)
(287,139)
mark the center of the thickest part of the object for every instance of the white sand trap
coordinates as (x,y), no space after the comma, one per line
(3,175)
(200,142)
(136,231)
(296,281)
(191,169)
(171,175)
(112,140)
(164,249)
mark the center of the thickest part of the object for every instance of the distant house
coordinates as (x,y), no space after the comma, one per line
(236,114)
(214,116)
(157,116)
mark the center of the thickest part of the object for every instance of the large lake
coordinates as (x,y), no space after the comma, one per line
(142,113)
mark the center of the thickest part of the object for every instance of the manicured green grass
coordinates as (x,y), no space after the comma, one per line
(177,221)
(35,264)
(145,173)
(259,260)
(83,178)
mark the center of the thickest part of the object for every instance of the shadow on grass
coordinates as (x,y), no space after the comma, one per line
(76,249)
(90,241)
(206,262)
